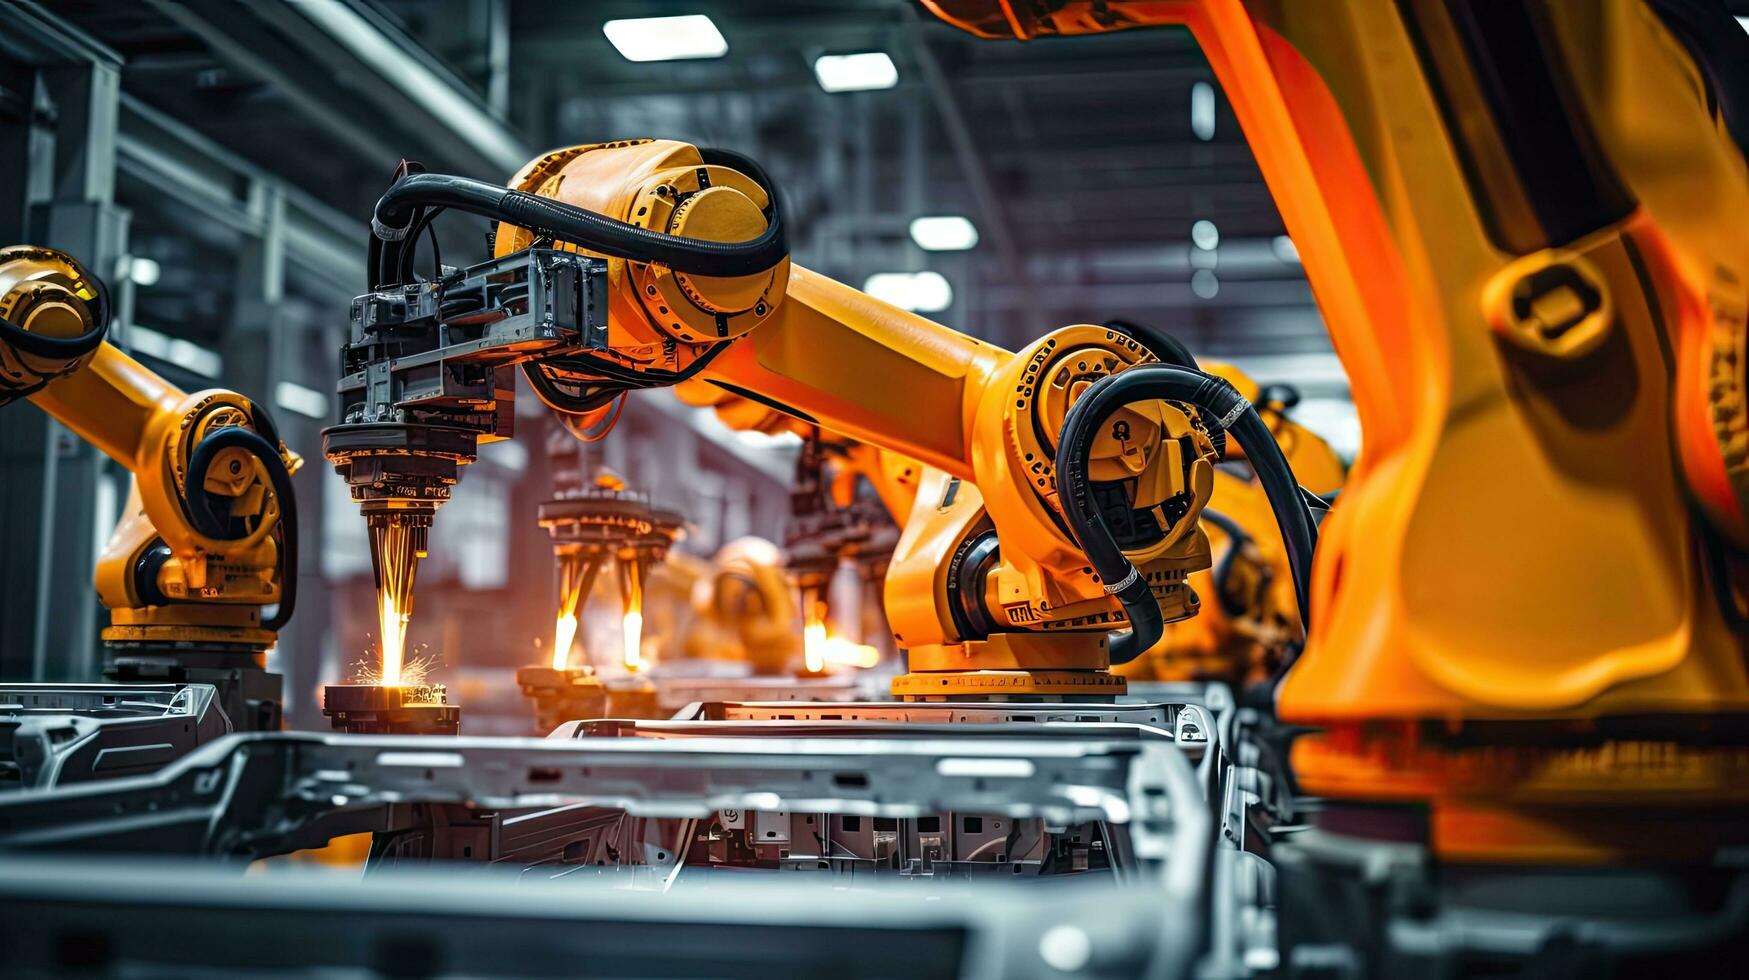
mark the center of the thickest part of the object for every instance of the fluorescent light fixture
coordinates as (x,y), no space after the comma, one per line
(1743,22)
(1205,235)
(666,38)
(174,350)
(1202,111)
(919,292)
(859,72)
(1204,284)
(944,233)
(1285,249)
(297,398)
(144,272)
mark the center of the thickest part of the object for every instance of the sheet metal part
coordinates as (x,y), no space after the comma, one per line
(547,807)
(391,709)
(251,795)
(54,734)
(180,919)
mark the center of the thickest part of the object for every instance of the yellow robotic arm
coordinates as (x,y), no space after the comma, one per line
(1250,618)
(1029,613)
(195,556)
(1534,274)
(990,589)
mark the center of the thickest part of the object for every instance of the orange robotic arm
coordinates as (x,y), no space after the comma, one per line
(1010,610)
(194,558)
(1534,275)
(1250,618)
(989,589)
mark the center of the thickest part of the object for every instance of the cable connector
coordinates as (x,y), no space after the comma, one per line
(1129,580)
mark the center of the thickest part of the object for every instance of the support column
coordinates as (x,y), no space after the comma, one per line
(60,152)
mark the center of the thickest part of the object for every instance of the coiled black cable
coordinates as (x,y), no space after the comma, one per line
(1237,541)
(399,210)
(1168,349)
(69,350)
(59,348)
(201,506)
(1232,412)
(1165,347)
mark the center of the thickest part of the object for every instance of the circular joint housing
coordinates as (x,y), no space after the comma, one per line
(398,472)
(610,521)
(1554,303)
(60,311)
(713,204)
(665,186)
(1150,463)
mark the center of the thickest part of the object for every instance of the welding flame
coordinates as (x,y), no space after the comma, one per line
(814,643)
(394,643)
(395,551)
(632,627)
(838,650)
(631,595)
(564,634)
(820,647)
(576,574)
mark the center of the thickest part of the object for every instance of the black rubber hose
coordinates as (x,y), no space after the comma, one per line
(1233,412)
(1165,347)
(1237,539)
(205,518)
(398,209)
(57,348)
(65,348)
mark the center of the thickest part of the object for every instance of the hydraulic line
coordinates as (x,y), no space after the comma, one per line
(1232,412)
(400,210)
(1165,347)
(200,506)
(1237,540)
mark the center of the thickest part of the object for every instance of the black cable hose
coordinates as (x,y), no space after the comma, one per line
(1166,348)
(1237,539)
(398,209)
(65,348)
(1225,405)
(545,390)
(199,506)
(58,348)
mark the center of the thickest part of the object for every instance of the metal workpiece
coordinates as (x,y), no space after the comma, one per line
(561,695)
(679,693)
(55,734)
(250,795)
(391,709)
(181,918)
(250,696)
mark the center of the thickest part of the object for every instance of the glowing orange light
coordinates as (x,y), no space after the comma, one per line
(631,595)
(564,634)
(632,627)
(393,622)
(576,574)
(814,643)
(395,554)
(837,650)
(821,648)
